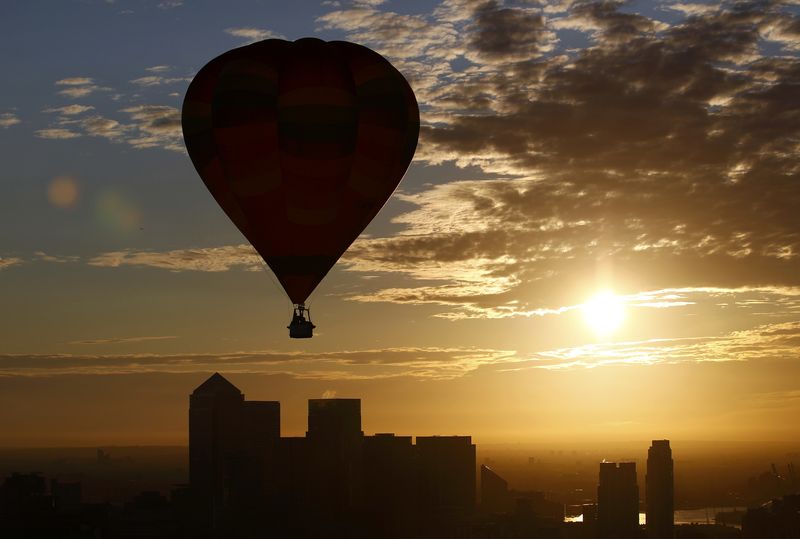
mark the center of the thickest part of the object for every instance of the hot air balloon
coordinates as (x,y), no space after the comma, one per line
(301,143)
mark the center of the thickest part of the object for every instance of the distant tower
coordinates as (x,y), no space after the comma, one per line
(617,501)
(660,491)
(495,497)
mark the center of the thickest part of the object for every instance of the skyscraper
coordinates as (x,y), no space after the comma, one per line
(617,501)
(659,491)
(228,441)
(247,481)
(335,482)
(446,479)
(334,419)
(389,482)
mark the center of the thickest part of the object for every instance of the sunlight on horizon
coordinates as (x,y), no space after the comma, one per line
(604,313)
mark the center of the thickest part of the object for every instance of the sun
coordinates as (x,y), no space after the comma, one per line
(604,313)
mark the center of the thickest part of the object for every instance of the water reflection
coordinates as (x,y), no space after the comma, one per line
(704,515)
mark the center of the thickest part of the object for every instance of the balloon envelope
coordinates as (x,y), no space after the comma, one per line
(301,143)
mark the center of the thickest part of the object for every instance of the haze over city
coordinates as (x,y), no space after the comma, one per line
(597,239)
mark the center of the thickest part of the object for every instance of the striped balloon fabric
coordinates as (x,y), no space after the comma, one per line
(301,143)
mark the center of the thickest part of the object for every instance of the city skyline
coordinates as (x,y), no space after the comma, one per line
(246,479)
(597,239)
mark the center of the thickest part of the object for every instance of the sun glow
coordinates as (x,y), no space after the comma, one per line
(604,313)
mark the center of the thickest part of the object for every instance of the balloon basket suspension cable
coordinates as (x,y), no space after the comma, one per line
(301,327)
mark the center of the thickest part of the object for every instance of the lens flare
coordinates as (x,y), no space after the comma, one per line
(62,192)
(116,213)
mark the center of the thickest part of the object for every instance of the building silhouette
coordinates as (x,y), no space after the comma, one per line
(617,501)
(390,482)
(247,481)
(776,519)
(495,497)
(445,480)
(660,491)
(230,440)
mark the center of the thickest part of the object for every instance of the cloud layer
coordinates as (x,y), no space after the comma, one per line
(420,363)
(765,343)
(7,119)
(212,259)
(659,156)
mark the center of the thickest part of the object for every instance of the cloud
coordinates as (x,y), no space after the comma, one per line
(251,35)
(124,340)
(213,259)
(149,126)
(419,363)
(395,35)
(75,81)
(606,23)
(170,4)
(660,157)
(99,126)
(774,401)
(764,343)
(70,110)
(44,257)
(158,69)
(7,262)
(689,8)
(156,80)
(516,247)
(76,87)
(56,133)
(783,30)
(78,91)
(156,126)
(645,159)
(7,119)
(506,33)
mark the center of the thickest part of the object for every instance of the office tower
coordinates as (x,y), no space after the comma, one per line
(292,478)
(659,491)
(214,433)
(389,486)
(334,488)
(247,481)
(229,440)
(617,501)
(262,422)
(495,497)
(334,419)
(447,478)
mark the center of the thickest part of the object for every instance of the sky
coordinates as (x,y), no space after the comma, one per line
(598,238)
